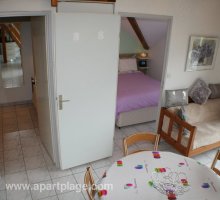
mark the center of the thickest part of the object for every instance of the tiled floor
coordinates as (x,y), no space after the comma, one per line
(12,74)
(23,158)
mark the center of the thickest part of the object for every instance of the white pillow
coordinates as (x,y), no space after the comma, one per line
(127,64)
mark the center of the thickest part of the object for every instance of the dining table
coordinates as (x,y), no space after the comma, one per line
(159,175)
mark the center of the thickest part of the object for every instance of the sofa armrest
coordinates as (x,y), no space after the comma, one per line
(166,135)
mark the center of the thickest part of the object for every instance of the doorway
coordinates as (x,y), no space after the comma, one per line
(145,39)
(38,81)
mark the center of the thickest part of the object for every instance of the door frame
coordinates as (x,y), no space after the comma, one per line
(166,55)
(50,49)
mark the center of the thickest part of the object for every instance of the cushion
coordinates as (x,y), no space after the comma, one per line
(181,113)
(215,91)
(127,65)
(199,92)
(176,97)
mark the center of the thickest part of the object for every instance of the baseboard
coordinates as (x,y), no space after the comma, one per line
(16,103)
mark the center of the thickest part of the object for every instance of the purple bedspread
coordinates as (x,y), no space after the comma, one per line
(135,91)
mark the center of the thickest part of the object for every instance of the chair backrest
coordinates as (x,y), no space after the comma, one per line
(138,137)
(90,183)
(213,167)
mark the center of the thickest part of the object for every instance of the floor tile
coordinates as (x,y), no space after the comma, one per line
(34,162)
(204,159)
(101,163)
(32,151)
(24,126)
(57,173)
(71,196)
(1,157)
(2,169)
(9,115)
(48,192)
(17,178)
(51,198)
(128,130)
(212,153)
(64,181)
(81,168)
(116,156)
(29,141)
(11,136)
(48,160)
(101,171)
(8,109)
(14,166)
(27,133)
(18,195)
(2,183)
(11,144)
(38,175)
(119,142)
(119,134)
(3,195)
(13,154)
(146,127)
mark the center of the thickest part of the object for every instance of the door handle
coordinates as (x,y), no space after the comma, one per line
(61,100)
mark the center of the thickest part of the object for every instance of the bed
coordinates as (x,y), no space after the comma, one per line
(137,97)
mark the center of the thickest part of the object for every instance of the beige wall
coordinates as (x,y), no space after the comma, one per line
(197,17)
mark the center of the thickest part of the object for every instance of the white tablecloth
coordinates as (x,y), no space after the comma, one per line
(142,176)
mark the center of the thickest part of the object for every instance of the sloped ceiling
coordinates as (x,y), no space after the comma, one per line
(153,30)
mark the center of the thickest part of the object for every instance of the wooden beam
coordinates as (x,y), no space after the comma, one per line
(12,34)
(138,32)
(13,29)
(4,46)
(54,3)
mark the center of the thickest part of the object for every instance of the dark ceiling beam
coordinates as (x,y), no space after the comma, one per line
(4,46)
(54,3)
(138,32)
(11,32)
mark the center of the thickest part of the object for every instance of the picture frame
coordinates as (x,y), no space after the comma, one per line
(201,53)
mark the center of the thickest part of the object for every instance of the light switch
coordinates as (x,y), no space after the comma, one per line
(76,36)
(101,35)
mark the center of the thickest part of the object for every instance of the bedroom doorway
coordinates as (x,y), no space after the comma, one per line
(144,42)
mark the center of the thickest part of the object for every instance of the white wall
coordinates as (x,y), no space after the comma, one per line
(24,5)
(155,33)
(197,17)
(84,7)
(157,59)
(23,93)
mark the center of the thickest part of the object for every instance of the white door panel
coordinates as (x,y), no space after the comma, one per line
(87,64)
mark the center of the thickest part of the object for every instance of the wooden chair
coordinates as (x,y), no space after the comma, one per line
(138,137)
(90,183)
(217,157)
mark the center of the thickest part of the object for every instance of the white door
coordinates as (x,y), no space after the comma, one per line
(87,48)
(41,86)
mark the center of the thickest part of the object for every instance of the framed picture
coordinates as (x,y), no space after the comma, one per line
(201,53)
